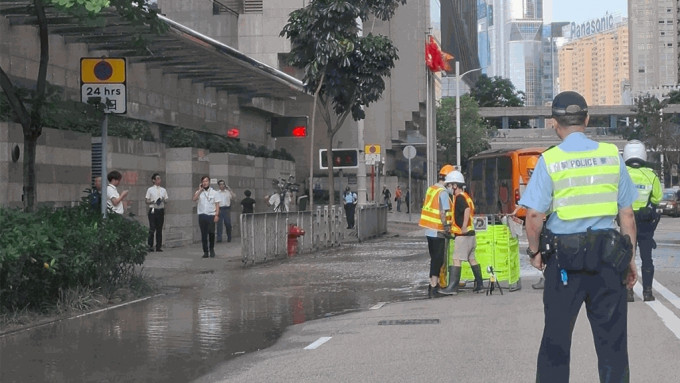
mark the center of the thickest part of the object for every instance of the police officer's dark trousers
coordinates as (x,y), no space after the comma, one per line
(156,220)
(606,307)
(645,241)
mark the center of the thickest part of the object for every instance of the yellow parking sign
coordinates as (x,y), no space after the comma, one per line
(372,149)
(102,70)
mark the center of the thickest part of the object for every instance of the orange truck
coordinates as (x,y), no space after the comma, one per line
(496,179)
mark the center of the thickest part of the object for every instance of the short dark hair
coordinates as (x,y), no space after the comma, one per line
(153,176)
(570,120)
(204,177)
(114,175)
(247,193)
(221,182)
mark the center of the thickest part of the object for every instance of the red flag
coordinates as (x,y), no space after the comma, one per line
(435,59)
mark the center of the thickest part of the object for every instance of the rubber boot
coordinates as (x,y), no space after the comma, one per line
(454,280)
(479,282)
(433,292)
(631,295)
(450,289)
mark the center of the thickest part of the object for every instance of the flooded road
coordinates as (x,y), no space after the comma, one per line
(210,316)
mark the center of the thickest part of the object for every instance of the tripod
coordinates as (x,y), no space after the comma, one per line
(492,281)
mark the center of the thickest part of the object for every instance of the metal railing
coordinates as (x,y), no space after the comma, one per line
(264,235)
(371,221)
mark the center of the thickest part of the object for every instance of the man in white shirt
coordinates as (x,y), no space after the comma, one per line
(114,201)
(224,196)
(208,210)
(156,196)
(275,202)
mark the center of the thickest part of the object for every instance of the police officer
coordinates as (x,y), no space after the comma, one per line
(587,185)
(644,207)
(434,218)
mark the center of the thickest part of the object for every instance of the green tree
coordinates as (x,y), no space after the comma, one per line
(473,129)
(343,69)
(497,91)
(28,107)
(659,132)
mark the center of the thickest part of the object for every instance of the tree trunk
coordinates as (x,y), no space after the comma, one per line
(29,192)
(331,178)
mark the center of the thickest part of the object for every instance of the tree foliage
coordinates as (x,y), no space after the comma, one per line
(497,91)
(473,129)
(28,106)
(347,68)
(660,132)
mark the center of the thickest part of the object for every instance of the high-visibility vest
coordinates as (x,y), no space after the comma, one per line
(585,184)
(455,229)
(429,215)
(644,180)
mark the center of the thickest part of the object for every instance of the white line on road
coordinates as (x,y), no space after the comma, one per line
(377,306)
(318,342)
(674,299)
(667,316)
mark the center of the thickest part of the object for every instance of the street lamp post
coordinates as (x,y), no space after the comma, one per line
(458,78)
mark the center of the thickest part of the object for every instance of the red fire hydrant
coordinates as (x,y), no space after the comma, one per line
(293,233)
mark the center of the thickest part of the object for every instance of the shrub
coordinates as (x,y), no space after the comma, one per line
(47,252)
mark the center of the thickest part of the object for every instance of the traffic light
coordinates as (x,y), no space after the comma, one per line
(289,126)
(342,158)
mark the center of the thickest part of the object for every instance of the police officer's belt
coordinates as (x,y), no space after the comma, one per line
(588,251)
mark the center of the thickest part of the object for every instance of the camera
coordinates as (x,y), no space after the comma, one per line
(288,185)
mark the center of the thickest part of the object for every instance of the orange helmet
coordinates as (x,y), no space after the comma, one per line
(531,162)
(446,169)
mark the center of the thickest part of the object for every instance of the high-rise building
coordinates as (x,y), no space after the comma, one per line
(595,63)
(653,29)
(511,43)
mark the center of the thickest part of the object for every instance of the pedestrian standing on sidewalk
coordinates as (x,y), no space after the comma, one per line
(96,195)
(156,197)
(208,210)
(433,217)
(644,208)
(224,197)
(407,199)
(386,197)
(114,201)
(463,211)
(350,199)
(247,204)
(586,185)
(397,198)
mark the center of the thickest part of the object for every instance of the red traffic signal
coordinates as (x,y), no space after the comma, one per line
(233,133)
(289,126)
(300,131)
(342,158)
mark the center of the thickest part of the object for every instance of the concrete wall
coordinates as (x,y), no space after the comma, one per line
(64,170)
(62,166)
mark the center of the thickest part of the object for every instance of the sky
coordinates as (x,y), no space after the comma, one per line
(582,10)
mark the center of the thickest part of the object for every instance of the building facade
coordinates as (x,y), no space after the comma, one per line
(596,64)
(653,45)
(510,35)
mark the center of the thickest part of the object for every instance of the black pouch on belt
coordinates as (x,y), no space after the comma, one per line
(617,249)
(594,249)
(571,252)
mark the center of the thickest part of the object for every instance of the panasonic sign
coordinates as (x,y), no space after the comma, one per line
(592,27)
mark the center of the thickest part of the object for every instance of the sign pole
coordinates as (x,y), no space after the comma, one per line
(372,182)
(105,179)
(409,190)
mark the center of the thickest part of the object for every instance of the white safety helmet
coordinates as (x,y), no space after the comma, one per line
(635,150)
(454,176)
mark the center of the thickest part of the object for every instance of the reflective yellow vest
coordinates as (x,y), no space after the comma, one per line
(585,184)
(455,229)
(429,215)
(648,187)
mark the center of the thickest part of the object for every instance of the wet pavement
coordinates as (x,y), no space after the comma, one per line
(211,311)
(214,310)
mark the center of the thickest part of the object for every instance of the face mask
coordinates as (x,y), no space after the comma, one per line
(450,189)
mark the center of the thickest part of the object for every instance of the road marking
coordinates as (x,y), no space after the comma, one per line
(318,342)
(667,316)
(674,299)
(378,305)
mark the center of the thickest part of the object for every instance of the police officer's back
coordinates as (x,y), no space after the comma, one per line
(585,185)
(644,207)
